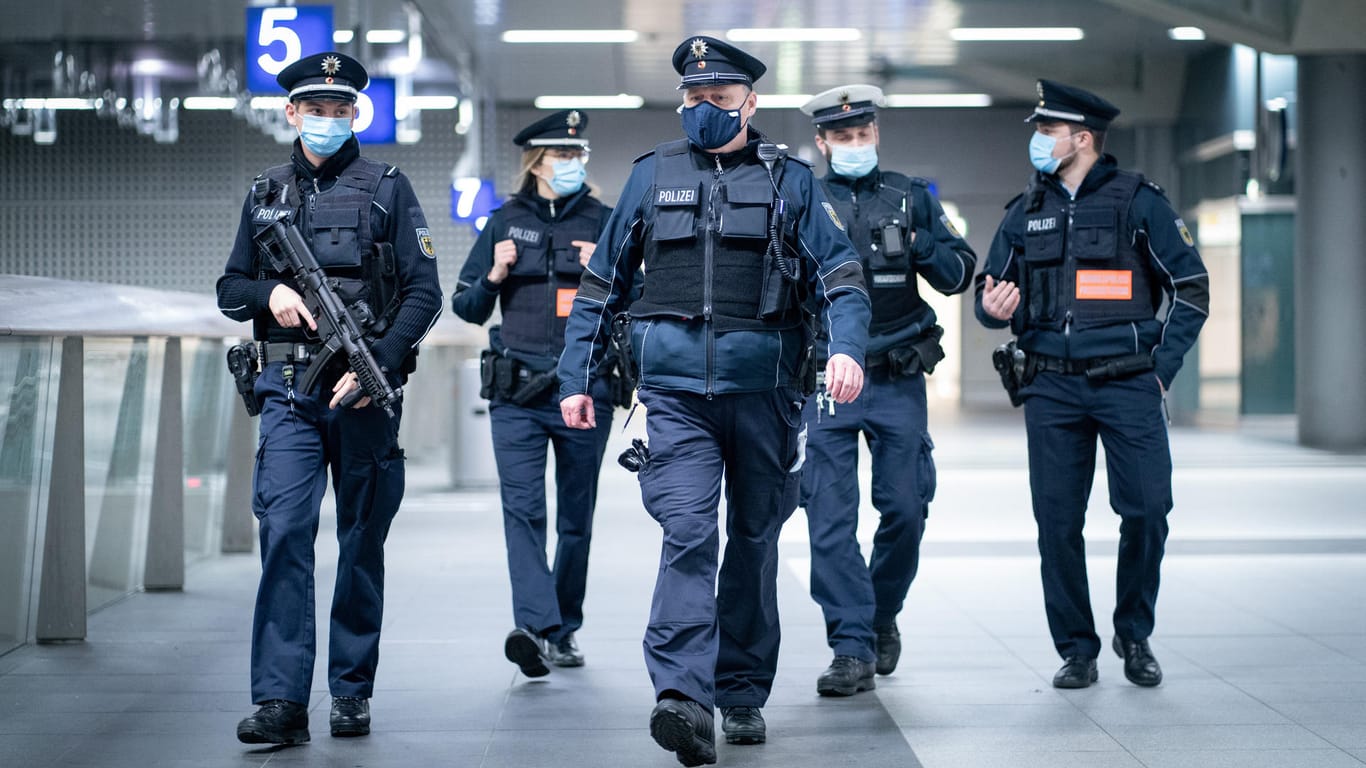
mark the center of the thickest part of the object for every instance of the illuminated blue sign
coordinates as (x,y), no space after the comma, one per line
(278,36)
(375,121)
(472,200)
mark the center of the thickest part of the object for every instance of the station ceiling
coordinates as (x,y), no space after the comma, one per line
(904,46)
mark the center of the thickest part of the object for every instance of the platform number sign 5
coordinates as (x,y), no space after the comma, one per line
(278,36)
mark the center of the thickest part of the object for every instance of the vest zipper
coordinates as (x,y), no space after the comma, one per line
(1069,268)
(551,284)
(1067,335)
(551,287)
(709,333)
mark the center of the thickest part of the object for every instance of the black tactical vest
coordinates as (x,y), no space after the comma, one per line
(1081,267)
(878,217)
(337,223)
(536,296)
(706,240)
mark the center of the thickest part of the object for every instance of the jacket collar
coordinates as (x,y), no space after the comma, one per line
(331,168)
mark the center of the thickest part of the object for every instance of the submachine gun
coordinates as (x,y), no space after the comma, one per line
(339,328)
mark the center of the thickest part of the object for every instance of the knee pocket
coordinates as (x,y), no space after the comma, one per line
(926,473)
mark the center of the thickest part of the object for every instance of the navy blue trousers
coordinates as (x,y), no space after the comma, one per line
(1063,417)
(547,601)
(714,638)
(855,595)
(301,440)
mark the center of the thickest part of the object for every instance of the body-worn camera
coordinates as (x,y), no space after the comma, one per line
(891,239)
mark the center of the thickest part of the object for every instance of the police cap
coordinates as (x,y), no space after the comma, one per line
(327,75)
(559,129)
(703,61)
(1073,105)
(844,107)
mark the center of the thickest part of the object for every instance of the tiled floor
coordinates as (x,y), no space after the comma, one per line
(1261,632)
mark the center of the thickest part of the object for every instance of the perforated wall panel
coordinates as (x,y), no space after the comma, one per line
(108,205)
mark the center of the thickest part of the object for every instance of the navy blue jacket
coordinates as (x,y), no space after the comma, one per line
(1175,268)
(673,354)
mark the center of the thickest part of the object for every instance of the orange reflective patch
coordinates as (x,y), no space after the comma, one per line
(1105,284)
(564,299)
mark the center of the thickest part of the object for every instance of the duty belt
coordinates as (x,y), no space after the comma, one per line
(1061,365)
(1096,369)
(282,351)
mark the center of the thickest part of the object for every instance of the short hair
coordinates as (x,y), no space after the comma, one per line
(1097,135)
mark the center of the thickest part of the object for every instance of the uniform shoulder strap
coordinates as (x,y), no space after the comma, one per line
(271,182)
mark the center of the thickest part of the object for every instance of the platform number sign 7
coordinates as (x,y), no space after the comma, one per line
(278,36)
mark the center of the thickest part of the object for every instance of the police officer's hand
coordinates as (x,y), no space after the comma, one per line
(1000,299)
(843,378)
(504,256)
(577,411)
(585,250)
(288,308)
(345,384)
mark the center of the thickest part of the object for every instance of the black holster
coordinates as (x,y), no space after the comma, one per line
(920,355)
(505,378)
(242,364)
(619,364)
(1012,364)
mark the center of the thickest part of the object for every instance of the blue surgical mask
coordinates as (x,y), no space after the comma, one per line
(1041,152)
(708,126)
(324,135)
(568,178)
(853,162)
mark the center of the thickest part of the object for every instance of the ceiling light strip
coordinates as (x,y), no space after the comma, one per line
(570,36)
(794,34)
(1016,34)
(930,100)
(1186,33)
(619,101)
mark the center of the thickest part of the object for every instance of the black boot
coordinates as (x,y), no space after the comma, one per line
(350,716)
(1139,664)
(1076,672)
(685,728)
(846,676)
(565,653)
(276,722)
(743,725)
(887,645)
(527,651)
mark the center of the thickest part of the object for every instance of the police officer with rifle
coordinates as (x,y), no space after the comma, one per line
(332,254)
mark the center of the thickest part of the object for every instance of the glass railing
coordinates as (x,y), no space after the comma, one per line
(114,477)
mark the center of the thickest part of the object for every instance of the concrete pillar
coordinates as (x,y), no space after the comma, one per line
(61,591)
(239,533)
(1330,251)
(166,520)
